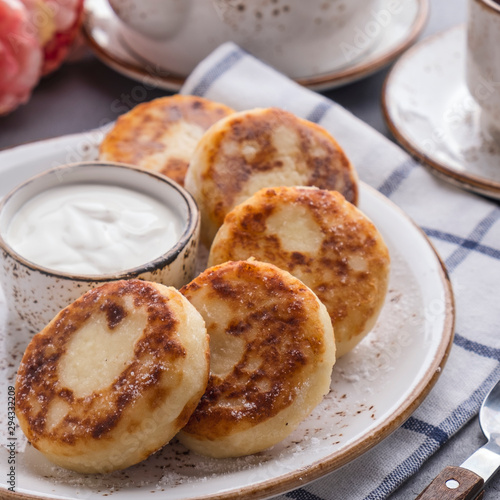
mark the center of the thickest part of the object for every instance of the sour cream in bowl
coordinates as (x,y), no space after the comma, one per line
(74,227)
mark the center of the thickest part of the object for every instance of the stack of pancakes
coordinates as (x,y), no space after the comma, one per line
(237,358)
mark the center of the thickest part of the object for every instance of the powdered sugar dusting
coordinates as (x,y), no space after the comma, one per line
(354,404)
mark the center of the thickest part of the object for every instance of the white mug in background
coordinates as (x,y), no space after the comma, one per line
(302,38)
(173,35)
(299,38)
(483,61)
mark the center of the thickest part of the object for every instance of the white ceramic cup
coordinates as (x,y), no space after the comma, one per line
(300,38)
(483,61)
(35,294)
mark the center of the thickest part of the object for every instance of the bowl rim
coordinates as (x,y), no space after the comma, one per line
(190,227)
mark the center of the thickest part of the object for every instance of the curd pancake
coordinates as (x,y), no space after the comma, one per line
(272,352)
(260,148)
(161,135)
(323,240)
(113,377)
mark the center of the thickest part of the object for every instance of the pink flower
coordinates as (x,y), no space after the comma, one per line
(21,55)
(68,16)
(57,23)
(35,38)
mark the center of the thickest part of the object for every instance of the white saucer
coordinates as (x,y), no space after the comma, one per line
(102,30)
(430,111)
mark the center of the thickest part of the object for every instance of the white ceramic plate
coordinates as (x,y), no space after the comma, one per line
(374,388)
(430,111)
(400,28)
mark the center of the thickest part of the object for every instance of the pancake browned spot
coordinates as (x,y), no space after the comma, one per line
(272,353)
(122,355)
(323,240)
(114,313)
(161,134)
(250,150)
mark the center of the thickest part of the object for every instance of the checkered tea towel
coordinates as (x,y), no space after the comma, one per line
(465,230)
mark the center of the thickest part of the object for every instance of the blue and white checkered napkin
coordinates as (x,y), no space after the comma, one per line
(464,228)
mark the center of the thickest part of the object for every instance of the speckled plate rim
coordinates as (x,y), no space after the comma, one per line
(368,65)
(316,470)
(464,180)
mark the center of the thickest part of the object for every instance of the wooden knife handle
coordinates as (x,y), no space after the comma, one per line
(454,483)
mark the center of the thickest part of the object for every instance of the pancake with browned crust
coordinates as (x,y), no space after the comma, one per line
(113,377)
(323,240)
(272,352)
(250,150)
(160,135)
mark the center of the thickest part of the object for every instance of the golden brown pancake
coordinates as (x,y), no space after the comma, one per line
(272,352)
(161,135)
(250,150)
(113,377)
(323,240)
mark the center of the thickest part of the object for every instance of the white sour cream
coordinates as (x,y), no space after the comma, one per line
(90,229)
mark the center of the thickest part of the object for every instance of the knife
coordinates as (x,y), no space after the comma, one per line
(467,481)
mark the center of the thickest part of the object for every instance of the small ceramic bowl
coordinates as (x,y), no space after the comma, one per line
(482,62)
(35,293)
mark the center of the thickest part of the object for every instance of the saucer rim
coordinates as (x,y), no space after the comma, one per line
(472,182)
(365,66)
(329,80)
